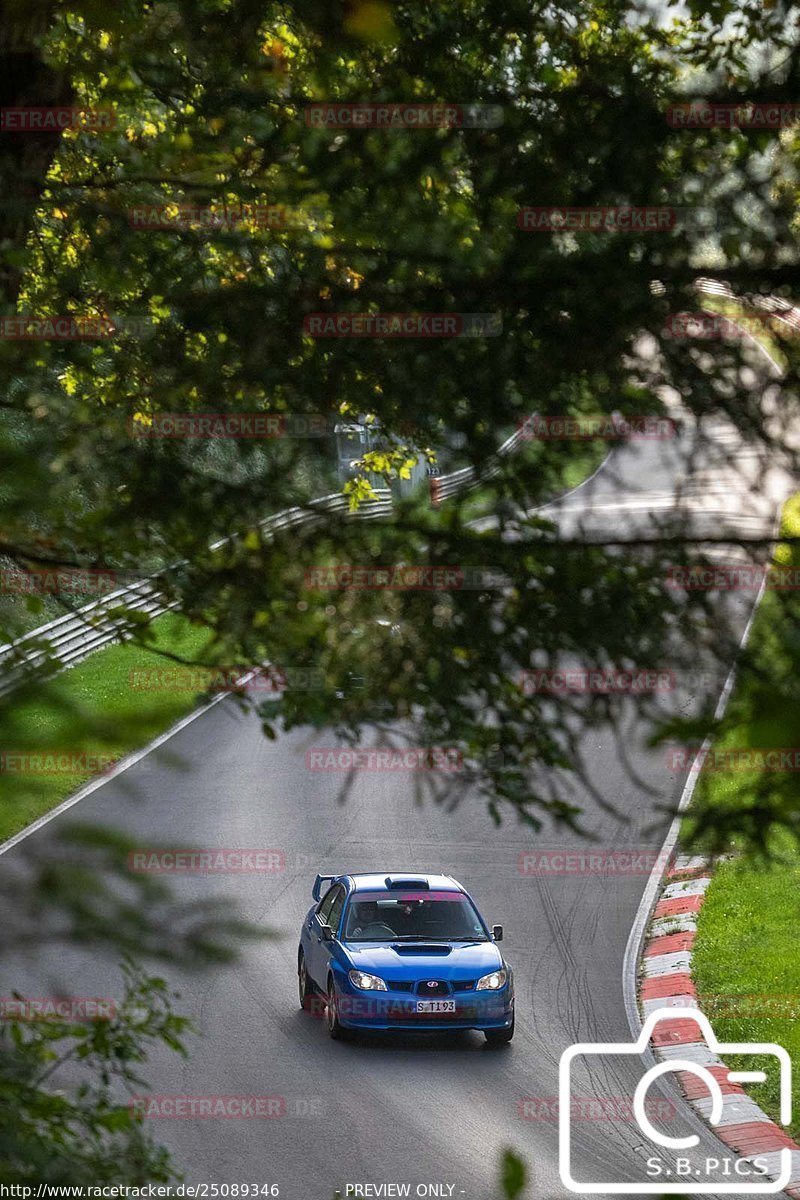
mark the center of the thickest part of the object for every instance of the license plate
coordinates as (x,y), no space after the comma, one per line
(436,1006)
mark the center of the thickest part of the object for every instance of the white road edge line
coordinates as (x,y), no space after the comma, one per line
(476,523)
(647,903)
(578,486)
(650,894)
(130,760)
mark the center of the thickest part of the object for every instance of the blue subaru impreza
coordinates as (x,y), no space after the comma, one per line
(391,952)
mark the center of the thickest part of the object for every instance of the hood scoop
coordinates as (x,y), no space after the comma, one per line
(420,948)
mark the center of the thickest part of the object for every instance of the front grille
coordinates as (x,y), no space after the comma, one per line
(420,987)
(440,989)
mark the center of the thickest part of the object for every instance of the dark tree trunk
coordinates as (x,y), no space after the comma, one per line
(25,157)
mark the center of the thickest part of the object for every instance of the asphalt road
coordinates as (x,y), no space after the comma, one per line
(407,1110)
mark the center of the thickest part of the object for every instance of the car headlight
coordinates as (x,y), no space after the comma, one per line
(367,983)
(493,982)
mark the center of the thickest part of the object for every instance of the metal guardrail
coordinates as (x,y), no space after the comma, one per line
(782,310)
(713,287)
(69,639)
(444,487)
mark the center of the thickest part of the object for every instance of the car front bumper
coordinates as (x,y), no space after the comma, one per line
(397,1010)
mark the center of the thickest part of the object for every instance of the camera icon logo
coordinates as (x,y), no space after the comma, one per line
(688,1186)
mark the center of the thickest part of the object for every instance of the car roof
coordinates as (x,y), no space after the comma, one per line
(378,882)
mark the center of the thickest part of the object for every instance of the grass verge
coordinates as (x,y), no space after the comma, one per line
(727,307)
(745,963)
(90,710)
(582,460)
(747,970)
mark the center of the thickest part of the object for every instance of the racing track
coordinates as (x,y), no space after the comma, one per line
(403,1110)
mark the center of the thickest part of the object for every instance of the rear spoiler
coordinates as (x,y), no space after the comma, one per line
(316,891)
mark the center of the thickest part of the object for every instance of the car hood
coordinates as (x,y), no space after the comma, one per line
(443,960)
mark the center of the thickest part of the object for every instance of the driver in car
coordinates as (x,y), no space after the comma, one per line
(367,914)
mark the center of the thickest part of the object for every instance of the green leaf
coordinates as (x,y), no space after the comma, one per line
(513,1175)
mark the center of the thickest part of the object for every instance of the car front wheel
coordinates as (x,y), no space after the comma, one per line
(335,1028)
(304,984)
(499,1037)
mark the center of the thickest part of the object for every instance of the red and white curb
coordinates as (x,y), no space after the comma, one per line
(666,982)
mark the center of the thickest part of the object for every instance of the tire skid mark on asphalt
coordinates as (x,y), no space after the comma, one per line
(572,990)
(608,1140)
(575,1004)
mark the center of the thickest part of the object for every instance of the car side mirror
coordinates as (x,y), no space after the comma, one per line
(327,933)
(497,933)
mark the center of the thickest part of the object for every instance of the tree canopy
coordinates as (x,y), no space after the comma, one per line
(214,199)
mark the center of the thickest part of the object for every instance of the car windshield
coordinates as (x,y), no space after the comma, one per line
(412,917)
